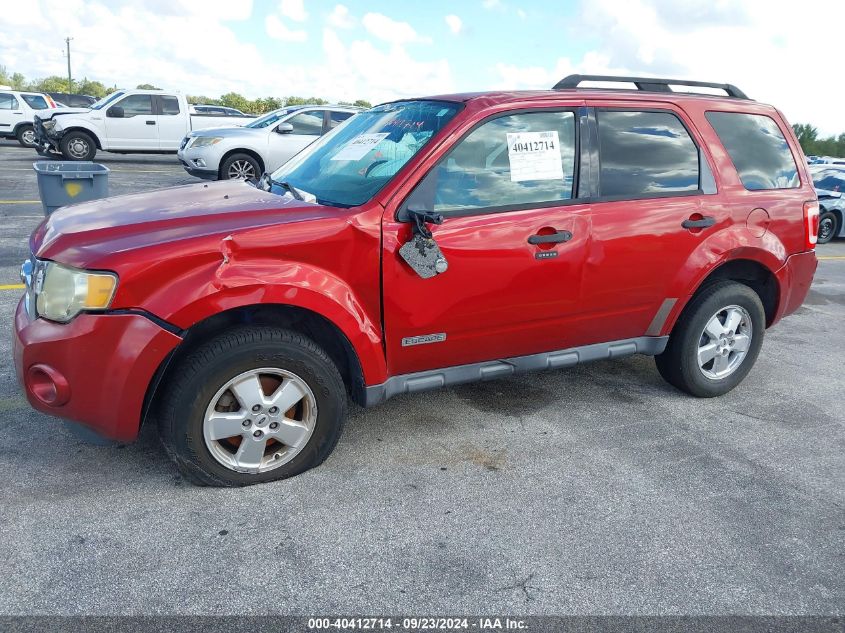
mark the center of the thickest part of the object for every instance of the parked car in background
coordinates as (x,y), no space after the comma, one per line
(423,243)
(73,100)
(213,110)
(829,181)
(259,146)
(126,121)
(17,110)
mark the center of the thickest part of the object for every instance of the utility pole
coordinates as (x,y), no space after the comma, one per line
(69,78)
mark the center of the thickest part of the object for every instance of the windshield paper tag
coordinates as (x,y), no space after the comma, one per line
(358,147)
(535,156)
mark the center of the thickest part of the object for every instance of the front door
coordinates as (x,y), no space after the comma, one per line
(514,236)
(308,126)
(137,129)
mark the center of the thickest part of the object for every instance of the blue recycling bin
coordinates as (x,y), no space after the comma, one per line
(61,183)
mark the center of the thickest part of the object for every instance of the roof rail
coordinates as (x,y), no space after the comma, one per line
(649,84)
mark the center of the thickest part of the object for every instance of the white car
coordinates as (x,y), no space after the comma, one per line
(126,121)
(17,110)
(261,146)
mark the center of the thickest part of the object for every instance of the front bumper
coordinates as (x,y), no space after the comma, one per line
(94,370)
(795,278)
(45,141)
(201,162)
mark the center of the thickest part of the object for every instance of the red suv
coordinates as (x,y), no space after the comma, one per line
(422,243)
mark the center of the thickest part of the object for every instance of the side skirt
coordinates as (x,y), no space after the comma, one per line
(493,369)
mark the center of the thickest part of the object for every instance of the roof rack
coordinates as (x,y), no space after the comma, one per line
(649,84)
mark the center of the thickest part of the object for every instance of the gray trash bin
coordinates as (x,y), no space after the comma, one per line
(67,182)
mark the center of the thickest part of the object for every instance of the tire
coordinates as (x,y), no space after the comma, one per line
(242,164)
(78,146)
(828,227)
(26,136)
(679,363)
(188,415)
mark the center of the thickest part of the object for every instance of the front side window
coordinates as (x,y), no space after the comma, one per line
(513,160)
(8,101)
(645,153)
(135,105)
(309,123)
(36,102)
(758,150)
(336,118)
(169,105)
(350,164)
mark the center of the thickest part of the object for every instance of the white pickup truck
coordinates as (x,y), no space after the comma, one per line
(126,121)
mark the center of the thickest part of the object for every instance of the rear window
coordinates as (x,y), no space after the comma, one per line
(758,150)
(36,102)
(645,153)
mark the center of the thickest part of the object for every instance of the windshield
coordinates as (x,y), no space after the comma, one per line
(105,100)
(270,118)
(354,161)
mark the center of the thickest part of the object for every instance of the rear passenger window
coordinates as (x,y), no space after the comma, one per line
(169,105)
(520,159)
(8,102)
(757,148)
(644,153)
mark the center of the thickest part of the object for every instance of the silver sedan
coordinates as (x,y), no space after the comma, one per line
(262,145)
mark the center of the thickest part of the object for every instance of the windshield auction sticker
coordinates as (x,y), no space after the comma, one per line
(535,156)
(358,147)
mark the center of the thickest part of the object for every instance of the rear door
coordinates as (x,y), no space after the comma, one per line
(654,202)
(172,122)
(138,128)
(515,238)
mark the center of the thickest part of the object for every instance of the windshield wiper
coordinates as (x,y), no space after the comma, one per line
(266,182)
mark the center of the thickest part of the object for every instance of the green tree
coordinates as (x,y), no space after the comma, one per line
(53,83)
(147,87)
(234,100)
(92,88)
(363,103)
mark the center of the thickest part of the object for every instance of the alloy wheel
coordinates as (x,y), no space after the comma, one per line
(725,342)
(260,420)
(241,169)
(28,136)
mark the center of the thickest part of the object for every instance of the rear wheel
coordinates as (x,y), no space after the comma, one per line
(26,135)
(252,405)
(240,167)
(78,146)
(828,226)
(716,340)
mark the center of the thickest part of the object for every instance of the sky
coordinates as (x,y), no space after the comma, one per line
(777,51)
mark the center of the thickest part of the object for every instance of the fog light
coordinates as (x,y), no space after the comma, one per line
(47,385)
(199,162)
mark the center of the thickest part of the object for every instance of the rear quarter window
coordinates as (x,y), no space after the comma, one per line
(758,150)
(36,102)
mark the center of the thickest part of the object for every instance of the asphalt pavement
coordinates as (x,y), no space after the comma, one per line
(593,490)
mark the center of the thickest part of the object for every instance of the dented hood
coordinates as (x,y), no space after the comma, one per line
(90,233)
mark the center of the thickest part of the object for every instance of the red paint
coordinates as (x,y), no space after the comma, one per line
(187,253)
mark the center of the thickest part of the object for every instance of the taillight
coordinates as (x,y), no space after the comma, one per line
(811,223)
(50,101)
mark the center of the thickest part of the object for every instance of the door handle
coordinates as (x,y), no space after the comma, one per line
(703,223)
(554,238)
(151,122)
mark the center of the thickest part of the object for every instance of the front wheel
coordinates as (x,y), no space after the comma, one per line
(828,227)
(240,167)
(26,136)
(252,405)
(716,340)
(78,146)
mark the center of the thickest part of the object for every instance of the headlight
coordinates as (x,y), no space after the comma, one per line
(204,141)
(62,292)
(49,124)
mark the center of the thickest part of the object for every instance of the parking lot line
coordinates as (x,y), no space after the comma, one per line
(20,201)
(831,257)
(12,287)
(120,171)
